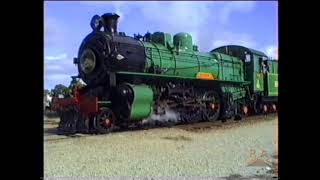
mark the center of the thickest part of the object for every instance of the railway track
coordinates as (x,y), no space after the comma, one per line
(51,132)
(202,126)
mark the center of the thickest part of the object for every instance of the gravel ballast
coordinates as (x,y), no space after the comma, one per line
(246,148)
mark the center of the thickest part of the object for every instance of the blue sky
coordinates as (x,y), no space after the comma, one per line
(212,24)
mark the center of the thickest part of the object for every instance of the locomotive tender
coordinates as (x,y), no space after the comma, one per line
(129,79)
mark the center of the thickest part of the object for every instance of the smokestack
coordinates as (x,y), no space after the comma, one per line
(111,22)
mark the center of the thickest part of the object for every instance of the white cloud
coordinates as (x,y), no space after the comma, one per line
(57,57)
(57,70)
(52,67)
(119,6)
(233,7)
(205,21)
(179,16)
(55,32)
(272,51)
(59,77)
(53,79)
(183,16)
(229,38)
(101,3)
(56,65)
(65,66)
(194,17)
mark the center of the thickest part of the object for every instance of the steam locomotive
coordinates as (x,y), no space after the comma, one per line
(129,79)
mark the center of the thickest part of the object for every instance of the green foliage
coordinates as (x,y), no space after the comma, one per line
(45,92)
(61,89)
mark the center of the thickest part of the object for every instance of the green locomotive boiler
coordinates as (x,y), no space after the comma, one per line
(130,79)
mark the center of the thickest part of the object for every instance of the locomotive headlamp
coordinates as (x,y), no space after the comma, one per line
(96,22)
(87,61)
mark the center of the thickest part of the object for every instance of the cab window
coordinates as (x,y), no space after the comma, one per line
(248,58)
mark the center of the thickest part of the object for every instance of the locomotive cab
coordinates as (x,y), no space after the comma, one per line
(260,71)
(252,64)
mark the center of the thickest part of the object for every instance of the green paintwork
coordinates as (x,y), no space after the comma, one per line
(181,59)
(189,63)
(159,76)
(237,92)
(271,79)
(164,39)
(230,68)
(273,66)
(238,51)
(256,73)
(258,82)
(272,84)
(253,65)
(142,103)
(183,41)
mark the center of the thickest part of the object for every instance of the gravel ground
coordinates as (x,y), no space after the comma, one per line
(241,149)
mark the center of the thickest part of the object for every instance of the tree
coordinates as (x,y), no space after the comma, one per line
(61,90)
(45,92)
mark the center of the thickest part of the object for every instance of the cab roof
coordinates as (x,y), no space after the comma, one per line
(235,50)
